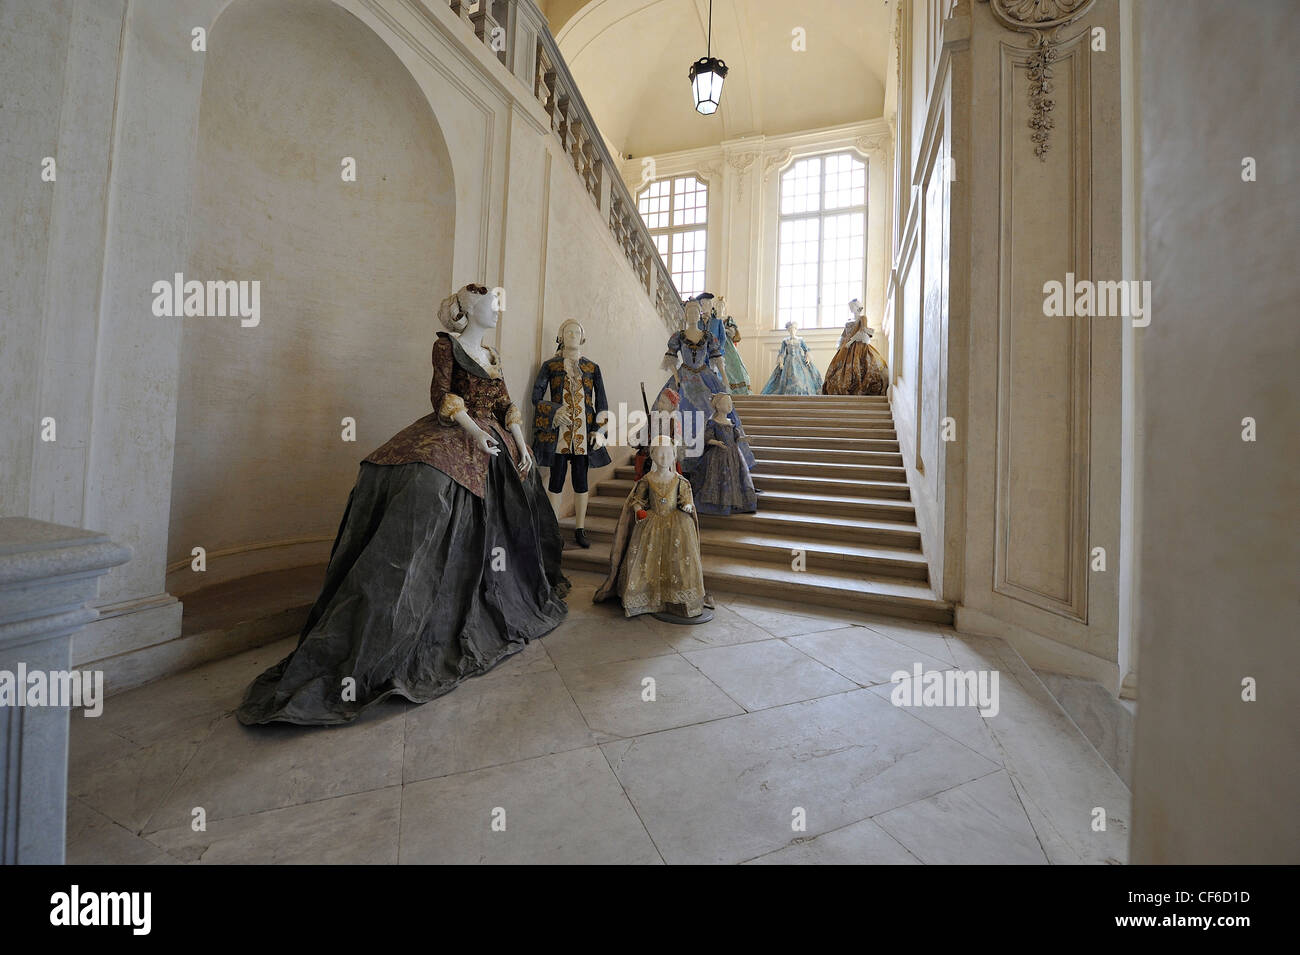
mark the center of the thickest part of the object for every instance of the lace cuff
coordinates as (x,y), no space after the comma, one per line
(513,417)
(451,406)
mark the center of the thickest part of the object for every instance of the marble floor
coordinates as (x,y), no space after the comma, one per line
(766,735)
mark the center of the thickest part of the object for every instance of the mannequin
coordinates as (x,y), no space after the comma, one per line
(795,373)
(654,562)
(416,597)
(857,368)
(723,485)
(566,433)
(736,374)
(693,383)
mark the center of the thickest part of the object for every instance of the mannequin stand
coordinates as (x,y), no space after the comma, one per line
(705,616)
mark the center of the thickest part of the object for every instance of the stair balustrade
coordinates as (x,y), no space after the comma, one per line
(517,34)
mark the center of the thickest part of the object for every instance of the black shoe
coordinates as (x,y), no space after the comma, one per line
(580,536)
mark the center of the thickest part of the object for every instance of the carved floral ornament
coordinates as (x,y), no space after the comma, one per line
(1042,21)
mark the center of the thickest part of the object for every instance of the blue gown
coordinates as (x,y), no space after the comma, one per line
(695,383)
(795,373)
(722,484)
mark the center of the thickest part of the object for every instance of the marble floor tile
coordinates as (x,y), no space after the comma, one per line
(779,619)
(240,770)
(1060,777)
(728,791)
(978,823)
(761,675)
(929,638)
(962,723)
(862,655)
(611,696)
(565,808)
(862,843)
(95,839)
(725,629)
(484,722)
(130,789)
(357,829)
(585,641)
(533,658)
(192,701)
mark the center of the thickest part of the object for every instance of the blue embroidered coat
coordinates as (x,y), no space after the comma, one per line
(546,433)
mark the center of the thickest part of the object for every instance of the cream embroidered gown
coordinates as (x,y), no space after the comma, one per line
(660,569)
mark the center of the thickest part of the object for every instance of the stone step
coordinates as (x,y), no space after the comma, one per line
(827,505)
(831,486)
(817,420)
(819,401)
(884,595)
(790,524)
(830,444)
(882,433)
(817,556)
(863,472)
(768,481)
(770,450)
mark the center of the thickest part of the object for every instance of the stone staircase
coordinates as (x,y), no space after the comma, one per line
(833,486)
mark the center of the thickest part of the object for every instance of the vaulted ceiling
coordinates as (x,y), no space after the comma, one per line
(630,57)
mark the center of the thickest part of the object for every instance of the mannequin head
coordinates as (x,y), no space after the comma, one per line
(720,306)
(663,453)
(473,307)
(856,308)
(693,312)
(722,404)
(571,336)
(791,328)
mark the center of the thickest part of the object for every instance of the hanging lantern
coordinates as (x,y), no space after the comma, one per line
(707,74)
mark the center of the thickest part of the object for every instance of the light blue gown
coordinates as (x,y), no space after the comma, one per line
(795,373)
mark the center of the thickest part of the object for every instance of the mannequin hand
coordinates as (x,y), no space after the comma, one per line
(526,460)
(716,443)
(688,508)
(486,443)
(562,419)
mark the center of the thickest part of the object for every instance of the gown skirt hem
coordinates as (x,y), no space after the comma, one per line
(427,585)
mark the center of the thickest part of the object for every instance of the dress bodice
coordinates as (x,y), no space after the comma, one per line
(663,497)
(724,432)
(695,355)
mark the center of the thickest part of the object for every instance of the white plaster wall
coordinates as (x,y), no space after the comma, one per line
(1216,779)
(351,274)
(33,52)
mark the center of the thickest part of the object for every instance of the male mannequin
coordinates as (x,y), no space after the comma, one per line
(566,428)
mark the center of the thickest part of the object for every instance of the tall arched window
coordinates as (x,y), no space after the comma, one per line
(675,211)
(821,239)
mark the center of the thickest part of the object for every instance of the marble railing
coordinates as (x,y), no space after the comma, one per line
(517,34)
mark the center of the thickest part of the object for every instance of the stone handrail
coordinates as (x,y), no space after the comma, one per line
(517,34)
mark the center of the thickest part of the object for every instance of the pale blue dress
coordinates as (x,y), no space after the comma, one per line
(795,373)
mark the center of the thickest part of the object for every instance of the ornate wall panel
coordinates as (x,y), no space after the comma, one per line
(1043,397)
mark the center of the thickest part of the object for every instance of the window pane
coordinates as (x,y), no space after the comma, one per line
(690,199)
(846,182)
(796,293)
(801,187)
(843,262)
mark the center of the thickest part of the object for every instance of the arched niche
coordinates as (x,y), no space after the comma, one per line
(350,275)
